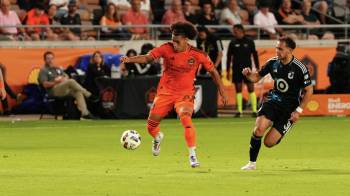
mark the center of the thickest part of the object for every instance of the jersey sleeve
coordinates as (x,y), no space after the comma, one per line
(159,52)
(206,62)
(266,69)
(306,79)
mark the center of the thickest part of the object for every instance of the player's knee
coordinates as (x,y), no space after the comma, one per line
(259,130)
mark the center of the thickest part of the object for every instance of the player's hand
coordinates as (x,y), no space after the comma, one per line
(247,71)
(3,93)
(124,59)
(294,117)
(224,97)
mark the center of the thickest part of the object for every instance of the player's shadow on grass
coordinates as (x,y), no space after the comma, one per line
(318,171)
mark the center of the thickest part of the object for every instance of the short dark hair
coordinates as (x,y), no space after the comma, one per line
(185,29)
(47,53)
(238,26)
(290,43)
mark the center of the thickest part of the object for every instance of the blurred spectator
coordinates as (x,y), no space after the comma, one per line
(172,15)
(120,4)
(6,90)
(71,18)
(285,14)
(265,19)
(211,45)
(57,84)
(152,68)
(207,16)
(112,24)
(62,7)
(9,17)
(218,6)
(96,68)
(158,10)
(135,17)
(37,16)
(324,7)
(128,69)
(310,19)
(51,13)
(231,14)
(251,8)
(189,12)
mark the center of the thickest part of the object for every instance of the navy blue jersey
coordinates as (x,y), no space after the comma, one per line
(289,81)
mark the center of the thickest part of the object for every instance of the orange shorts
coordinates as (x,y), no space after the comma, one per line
(163,103)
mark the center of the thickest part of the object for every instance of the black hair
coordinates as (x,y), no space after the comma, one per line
(131,51)
(185,29)
(145,48)
(238,26)
(290,43)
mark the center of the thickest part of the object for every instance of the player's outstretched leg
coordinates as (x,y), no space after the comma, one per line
(190,135)
(262,123)
(154,131)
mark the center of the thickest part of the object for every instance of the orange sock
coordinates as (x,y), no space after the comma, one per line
(190,132)
(153,127)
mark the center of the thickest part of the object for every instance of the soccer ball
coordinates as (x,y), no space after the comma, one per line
(130,139)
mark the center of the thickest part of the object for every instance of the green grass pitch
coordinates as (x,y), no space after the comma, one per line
(86,158)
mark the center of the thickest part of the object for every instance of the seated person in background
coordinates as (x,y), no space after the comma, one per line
(37,16)
(189,12)
(135,17)
(9,17)
(207,16)
(71,18)
(96,68)
(57,84)
(286,16)
(266,20)
(231,15)
(136,69)
(310,19)
(62,7)
(112,24)
(120,4)
(172,15)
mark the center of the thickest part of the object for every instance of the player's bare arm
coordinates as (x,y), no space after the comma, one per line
(308,93)
(137,59)
(216,77)
(251,75)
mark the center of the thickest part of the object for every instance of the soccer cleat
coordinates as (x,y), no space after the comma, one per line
(156,144)
(194,161)
(238,115)
(250,166)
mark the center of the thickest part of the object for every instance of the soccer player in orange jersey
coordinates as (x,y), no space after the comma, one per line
(176,86)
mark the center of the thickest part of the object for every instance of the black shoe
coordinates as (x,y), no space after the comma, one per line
(89,117)
(94,98)
(254,115)
(238,115)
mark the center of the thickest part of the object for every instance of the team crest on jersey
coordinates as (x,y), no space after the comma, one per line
(191,61)
(291,75)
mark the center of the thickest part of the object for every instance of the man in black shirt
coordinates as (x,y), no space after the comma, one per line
(211,45)
(72,18)
(284,103)
(239,54)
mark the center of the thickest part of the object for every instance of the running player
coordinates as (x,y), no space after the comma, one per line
(176,86)
(284,103)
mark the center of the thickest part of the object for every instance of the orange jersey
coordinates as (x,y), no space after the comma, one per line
(180,68)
